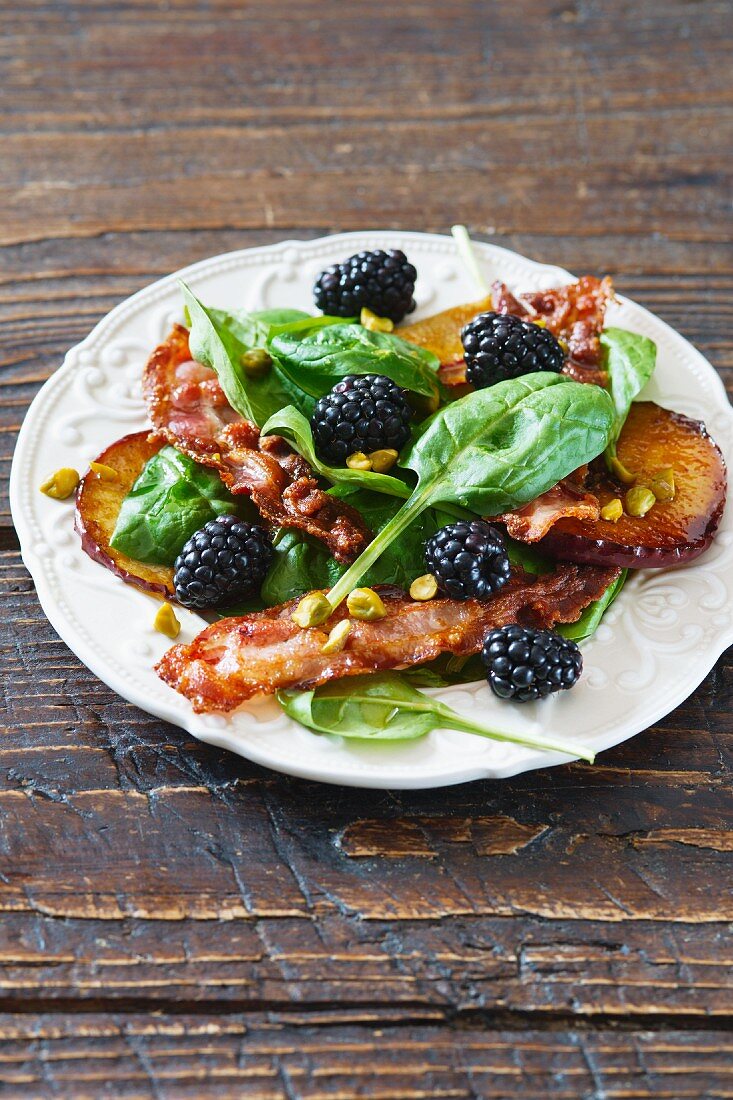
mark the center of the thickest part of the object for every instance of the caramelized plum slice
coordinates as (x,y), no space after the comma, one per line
(98,503)
(673,531)
(441,334)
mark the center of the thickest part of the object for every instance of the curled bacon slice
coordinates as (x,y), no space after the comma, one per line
(238,658)
(564,500)
(189,409)
(574,313)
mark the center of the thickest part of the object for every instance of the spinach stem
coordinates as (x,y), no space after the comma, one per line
(467,254)
(452,720)
(409,511)
(533,741)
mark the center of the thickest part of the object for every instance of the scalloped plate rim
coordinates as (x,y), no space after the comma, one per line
(225,739)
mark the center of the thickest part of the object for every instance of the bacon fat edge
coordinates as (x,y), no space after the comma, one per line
(237,658)
(188,408)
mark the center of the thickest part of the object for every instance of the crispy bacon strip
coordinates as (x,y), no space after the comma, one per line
(574,313)
(534,520)
(238,658)
(189,409)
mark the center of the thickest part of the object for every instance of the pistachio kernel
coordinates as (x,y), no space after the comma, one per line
(639,500)
(620,472)
(364,603)
(375,323)
(312,610)
(424,588)
(612,511)
(662,484)
(166,622)
(104,473)
(337,638)
(359,461)
(256,362)
(61,484)
(384,459)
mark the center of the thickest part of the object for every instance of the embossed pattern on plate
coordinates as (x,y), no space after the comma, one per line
(654,647)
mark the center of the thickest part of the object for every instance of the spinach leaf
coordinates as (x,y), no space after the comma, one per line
(590,620)
(253,329)
(302,564)
(212,343)
(291,424)
(630,361)
(171,499)
(220,339)
(386,707)
(319,359)
(496,449)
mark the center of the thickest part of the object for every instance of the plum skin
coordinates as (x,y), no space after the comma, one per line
(683,528)
(98,504)
(584,551)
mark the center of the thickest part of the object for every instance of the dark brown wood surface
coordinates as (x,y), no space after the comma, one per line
(175,922)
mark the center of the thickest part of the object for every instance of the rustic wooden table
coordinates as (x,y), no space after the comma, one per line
(179,923)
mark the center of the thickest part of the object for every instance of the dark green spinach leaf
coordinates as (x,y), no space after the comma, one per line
(253,329)
(302,564)
(386,707)
(215,345)
(590,620)
(219,339)
(171,499)
(293,426)
(630,361)
(495,450)
(319,359)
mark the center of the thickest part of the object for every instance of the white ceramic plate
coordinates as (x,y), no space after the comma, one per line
(654,647)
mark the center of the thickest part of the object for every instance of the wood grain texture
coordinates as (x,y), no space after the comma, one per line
(321,1059)
(177,922)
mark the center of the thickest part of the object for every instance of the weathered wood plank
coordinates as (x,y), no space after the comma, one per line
(241,1056)
(297,940)
(593,970)
(219,843)
(418,59)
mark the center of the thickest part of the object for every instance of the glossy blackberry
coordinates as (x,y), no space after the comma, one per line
(525,664)
(498,346)
(366,412)
(226,560)
(382,281)
(468,560)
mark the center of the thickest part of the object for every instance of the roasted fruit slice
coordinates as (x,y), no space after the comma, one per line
(441,334)
(672,531)
(98,502)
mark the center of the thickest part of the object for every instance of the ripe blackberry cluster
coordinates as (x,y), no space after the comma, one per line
(366,412)
(226,560)
(468,560)
(525,664)
(382,281)
(498,346)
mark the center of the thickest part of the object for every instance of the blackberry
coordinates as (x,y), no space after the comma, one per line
(226,560)
(382,281)
(468,560)
(525,664)
(366,412)
(498,346)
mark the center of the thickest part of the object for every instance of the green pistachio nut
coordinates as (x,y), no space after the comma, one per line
(364,603)
(312,610)
(256,362)
(639,500)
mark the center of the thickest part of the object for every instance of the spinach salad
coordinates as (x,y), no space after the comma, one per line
(462,453)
